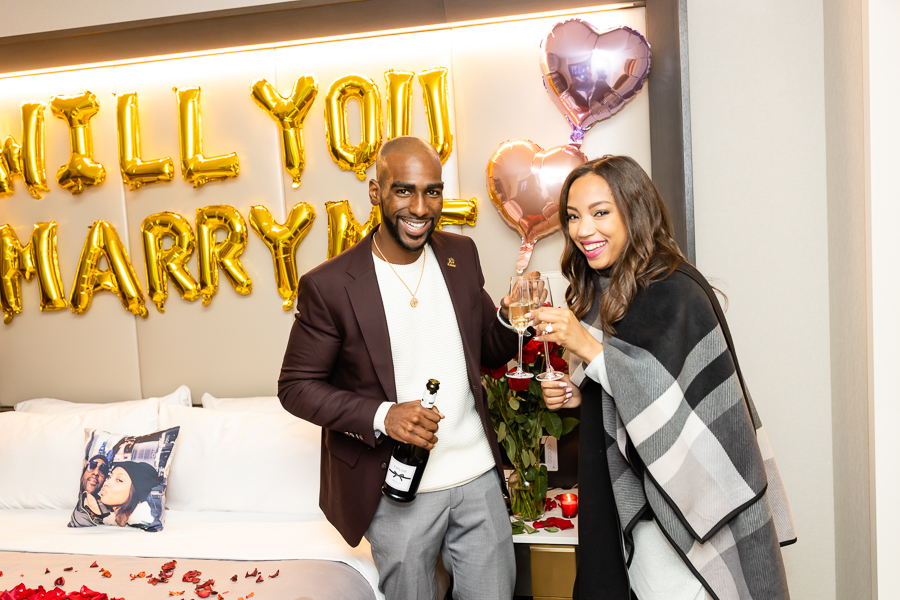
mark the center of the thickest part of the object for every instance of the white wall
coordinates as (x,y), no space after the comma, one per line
(884,130)
(758,127)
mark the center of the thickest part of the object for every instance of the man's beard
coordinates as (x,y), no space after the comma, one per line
(394,230)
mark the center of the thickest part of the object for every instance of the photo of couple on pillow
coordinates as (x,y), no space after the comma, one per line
(116,488)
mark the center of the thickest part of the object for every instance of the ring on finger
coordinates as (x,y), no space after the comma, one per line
(549,328)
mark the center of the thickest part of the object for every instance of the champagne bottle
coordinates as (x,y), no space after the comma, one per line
(408,461)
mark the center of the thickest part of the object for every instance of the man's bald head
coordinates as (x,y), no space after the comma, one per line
(405,144)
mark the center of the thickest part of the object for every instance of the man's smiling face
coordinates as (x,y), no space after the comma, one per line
(411,197)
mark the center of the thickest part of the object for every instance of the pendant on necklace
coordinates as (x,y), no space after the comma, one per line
(413,302)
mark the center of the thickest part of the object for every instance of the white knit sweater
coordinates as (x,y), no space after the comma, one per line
(426,344)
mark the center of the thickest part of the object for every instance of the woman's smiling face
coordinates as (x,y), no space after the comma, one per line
(594,221)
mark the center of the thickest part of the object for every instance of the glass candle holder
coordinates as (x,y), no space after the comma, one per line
(569,504)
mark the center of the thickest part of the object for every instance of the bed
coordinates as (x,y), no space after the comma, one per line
(242,496)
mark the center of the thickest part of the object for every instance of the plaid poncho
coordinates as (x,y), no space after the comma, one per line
(683,438)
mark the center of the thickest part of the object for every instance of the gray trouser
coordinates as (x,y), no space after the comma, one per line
(469,527)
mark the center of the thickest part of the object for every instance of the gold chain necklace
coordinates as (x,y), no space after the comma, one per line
(413,302)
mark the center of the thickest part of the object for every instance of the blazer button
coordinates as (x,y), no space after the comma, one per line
(383,466)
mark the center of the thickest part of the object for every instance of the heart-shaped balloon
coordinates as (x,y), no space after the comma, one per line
(524,182)
(591,75)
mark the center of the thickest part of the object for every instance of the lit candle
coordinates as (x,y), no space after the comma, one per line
(569,503)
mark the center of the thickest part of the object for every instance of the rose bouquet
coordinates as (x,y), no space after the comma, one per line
(521,420)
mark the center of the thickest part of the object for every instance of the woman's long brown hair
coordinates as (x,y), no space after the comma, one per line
(650,251)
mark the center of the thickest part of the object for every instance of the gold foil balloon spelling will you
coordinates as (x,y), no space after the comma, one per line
(524,182)
(26,159)
(137,172)
(38,257)
(349,157)
(82,171)
(226,253)
(196,168)
(119,278)
(283,241)
(163,264)
(289,113)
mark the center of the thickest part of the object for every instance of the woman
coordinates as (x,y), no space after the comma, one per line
(126,491)
(680,496)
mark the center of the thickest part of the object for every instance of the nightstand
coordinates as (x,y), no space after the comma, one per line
(546,562)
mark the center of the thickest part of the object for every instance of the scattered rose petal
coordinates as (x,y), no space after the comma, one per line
(69,569)
(47,571)
(105,573)
(259,579)
(277,573)
(233,578)
(153,581)
(203,593)
(250,595)
(176,593)
(94,565)
(191,577)
(253,574)
(59,582)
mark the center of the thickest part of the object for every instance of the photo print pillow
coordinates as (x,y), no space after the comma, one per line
(123,479)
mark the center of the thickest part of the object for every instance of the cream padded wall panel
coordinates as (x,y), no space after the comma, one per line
(500,96)
(91,357)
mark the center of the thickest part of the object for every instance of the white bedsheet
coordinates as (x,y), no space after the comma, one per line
(212,535)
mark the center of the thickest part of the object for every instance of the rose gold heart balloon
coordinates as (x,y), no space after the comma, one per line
(591,75)
(524,182)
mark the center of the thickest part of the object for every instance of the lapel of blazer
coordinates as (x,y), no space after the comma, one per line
(455,269)
(365,297)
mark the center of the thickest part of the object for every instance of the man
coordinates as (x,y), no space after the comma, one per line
(89,511)
(404,305)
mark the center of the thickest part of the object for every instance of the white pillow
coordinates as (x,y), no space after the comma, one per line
(257,404)
(52,406)
(243,462)
(42,455)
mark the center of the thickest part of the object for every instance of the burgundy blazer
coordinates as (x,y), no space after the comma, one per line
(338,368)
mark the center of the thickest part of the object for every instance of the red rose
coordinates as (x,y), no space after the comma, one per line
(530,351)
(495,374)
(559,364)
(518,385)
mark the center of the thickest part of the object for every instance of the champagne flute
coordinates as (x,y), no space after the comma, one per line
(520,304)
(542,297)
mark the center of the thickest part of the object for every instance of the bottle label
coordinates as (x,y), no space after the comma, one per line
(399,475)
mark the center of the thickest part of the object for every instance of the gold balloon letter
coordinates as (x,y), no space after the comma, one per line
(289,113)
(437,94)
(136,171)
(399,84)
(360,157)
(283,240)
(26,160)
(196,168)
(82,171)
(459,212)
(344,230)
(39,256)
(225,253)
(162,262)
(119,278)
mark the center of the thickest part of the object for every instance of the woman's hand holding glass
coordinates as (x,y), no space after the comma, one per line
(560,394)
(561,326)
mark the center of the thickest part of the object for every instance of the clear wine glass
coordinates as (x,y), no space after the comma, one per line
(521,297)
(540,289)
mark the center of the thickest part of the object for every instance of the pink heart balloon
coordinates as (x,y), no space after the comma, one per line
(524,182)
(591,75)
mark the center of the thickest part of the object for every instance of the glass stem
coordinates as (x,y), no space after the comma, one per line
(519,366)
(547,359)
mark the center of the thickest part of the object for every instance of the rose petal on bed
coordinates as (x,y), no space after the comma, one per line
(47,571)
(253,574)
(59,582)
(69,569)
(203,593)
(233,578)
(260,579)
(250,595)
(277,573)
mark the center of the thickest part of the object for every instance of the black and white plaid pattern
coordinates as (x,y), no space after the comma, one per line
(684,438)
